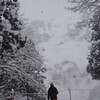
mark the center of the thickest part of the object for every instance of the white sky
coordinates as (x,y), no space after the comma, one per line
(47,10)
(53,11)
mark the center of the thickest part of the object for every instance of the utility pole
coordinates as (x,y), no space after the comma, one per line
(70,94)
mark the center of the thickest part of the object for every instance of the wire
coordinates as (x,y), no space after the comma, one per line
(74,90)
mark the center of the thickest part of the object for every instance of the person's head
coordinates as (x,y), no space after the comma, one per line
(52,85)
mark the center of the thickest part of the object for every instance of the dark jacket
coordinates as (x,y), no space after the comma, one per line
(52,92)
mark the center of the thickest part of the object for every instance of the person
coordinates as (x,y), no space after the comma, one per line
(12,94)
(52,92)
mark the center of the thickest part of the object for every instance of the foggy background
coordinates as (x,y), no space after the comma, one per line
(63,45)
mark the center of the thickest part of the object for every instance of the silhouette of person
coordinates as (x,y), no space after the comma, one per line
(12,94)
(52,92)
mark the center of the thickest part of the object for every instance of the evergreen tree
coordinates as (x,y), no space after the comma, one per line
(20,62)
(94,58)
(93,9)
(10,27)
(23,71)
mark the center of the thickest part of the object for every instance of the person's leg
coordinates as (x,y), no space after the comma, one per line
(54,99)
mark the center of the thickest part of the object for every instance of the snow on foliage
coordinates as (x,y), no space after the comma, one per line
(20,62)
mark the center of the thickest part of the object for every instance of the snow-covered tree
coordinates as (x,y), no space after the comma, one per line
(84,5)
(23,71)
(92,8)
(10,27)
(10,36)
(94,58)
(20,62)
